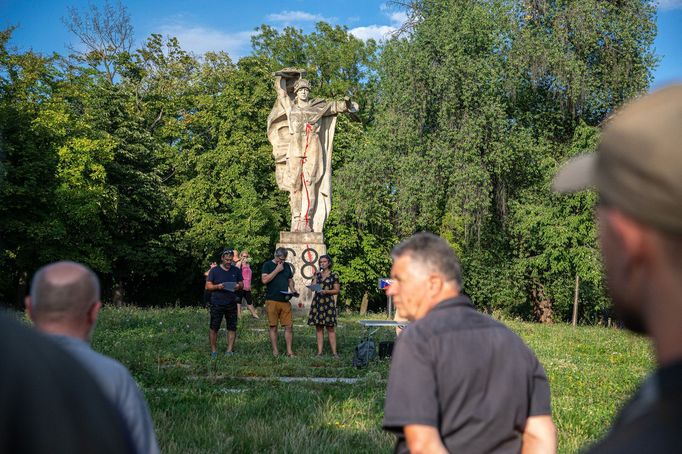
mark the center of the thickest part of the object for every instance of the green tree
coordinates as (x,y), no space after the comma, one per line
(144,163)
(228,195)
(29,229)
(126,107)
(480,102)
(106,36)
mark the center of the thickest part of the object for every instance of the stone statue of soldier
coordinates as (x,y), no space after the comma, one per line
(301,132)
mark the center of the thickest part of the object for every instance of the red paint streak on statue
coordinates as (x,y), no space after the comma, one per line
(308,131)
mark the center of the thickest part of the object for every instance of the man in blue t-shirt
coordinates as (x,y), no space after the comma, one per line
(223,281)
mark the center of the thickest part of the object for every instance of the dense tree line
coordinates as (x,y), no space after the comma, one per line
(144,163)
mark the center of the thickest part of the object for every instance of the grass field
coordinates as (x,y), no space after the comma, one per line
(234,404)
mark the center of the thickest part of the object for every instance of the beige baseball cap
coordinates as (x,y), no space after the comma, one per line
(637,167)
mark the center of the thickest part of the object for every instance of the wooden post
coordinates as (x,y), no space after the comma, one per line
(390,307)
(363,304)
(575,300)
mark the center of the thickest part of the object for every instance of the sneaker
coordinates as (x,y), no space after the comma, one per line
(229,353)
(214,355)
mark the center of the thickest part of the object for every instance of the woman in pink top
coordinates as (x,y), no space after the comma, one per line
(243,264)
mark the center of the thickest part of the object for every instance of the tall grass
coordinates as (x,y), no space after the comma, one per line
(235,404)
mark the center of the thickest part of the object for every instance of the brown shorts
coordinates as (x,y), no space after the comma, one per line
(279,311)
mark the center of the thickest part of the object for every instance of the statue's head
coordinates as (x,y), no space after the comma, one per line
(300,85)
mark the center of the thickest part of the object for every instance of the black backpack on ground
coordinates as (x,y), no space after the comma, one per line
(385,349)
(364,353)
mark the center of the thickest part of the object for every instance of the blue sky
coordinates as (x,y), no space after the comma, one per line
(204,25)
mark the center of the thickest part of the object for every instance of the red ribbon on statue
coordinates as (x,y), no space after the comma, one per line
(308,131)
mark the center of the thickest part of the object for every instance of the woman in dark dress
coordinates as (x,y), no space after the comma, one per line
(323,308)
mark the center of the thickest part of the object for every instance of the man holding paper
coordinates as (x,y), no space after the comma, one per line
(223,281)
(278,277)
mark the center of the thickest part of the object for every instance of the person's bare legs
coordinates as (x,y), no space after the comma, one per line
(252,310)
(319,332)
(332,339)
(273,340)
(213,339)
(239,309)
(289,339)
(231,335)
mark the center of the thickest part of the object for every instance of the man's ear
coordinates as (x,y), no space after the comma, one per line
(631,234)
(93,312)
(28,305)
(435,283)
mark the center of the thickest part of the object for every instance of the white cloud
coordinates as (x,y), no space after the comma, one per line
(381,32)
(199,39)
(669,4)
(289,17)
(398,17)
(375,32)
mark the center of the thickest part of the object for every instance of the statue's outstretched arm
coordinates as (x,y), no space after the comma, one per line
(337,107)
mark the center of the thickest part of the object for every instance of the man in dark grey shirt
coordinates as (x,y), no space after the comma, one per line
(64,303)
(459,381)
(49,402)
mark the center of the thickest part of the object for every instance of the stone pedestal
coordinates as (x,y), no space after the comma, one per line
(305,249)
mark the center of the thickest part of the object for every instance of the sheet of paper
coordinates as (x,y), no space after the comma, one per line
(287,293)
(315,287)
(229,286)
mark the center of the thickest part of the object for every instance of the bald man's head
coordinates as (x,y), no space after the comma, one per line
(63,291)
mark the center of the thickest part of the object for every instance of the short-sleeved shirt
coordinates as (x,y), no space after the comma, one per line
(120,387)
(280,283)
(218,275)
(50,402)
(469,376)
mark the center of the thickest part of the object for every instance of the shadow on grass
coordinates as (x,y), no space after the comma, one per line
(271,417)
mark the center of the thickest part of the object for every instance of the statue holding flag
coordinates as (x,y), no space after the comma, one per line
(301,132)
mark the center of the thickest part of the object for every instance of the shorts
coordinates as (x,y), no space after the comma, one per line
(279,311)
(218,311)
(246,294)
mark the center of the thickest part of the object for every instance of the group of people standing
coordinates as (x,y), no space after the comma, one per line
(459,381)
(230,282)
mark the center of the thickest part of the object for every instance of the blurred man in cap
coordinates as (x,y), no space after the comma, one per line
(637,172)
